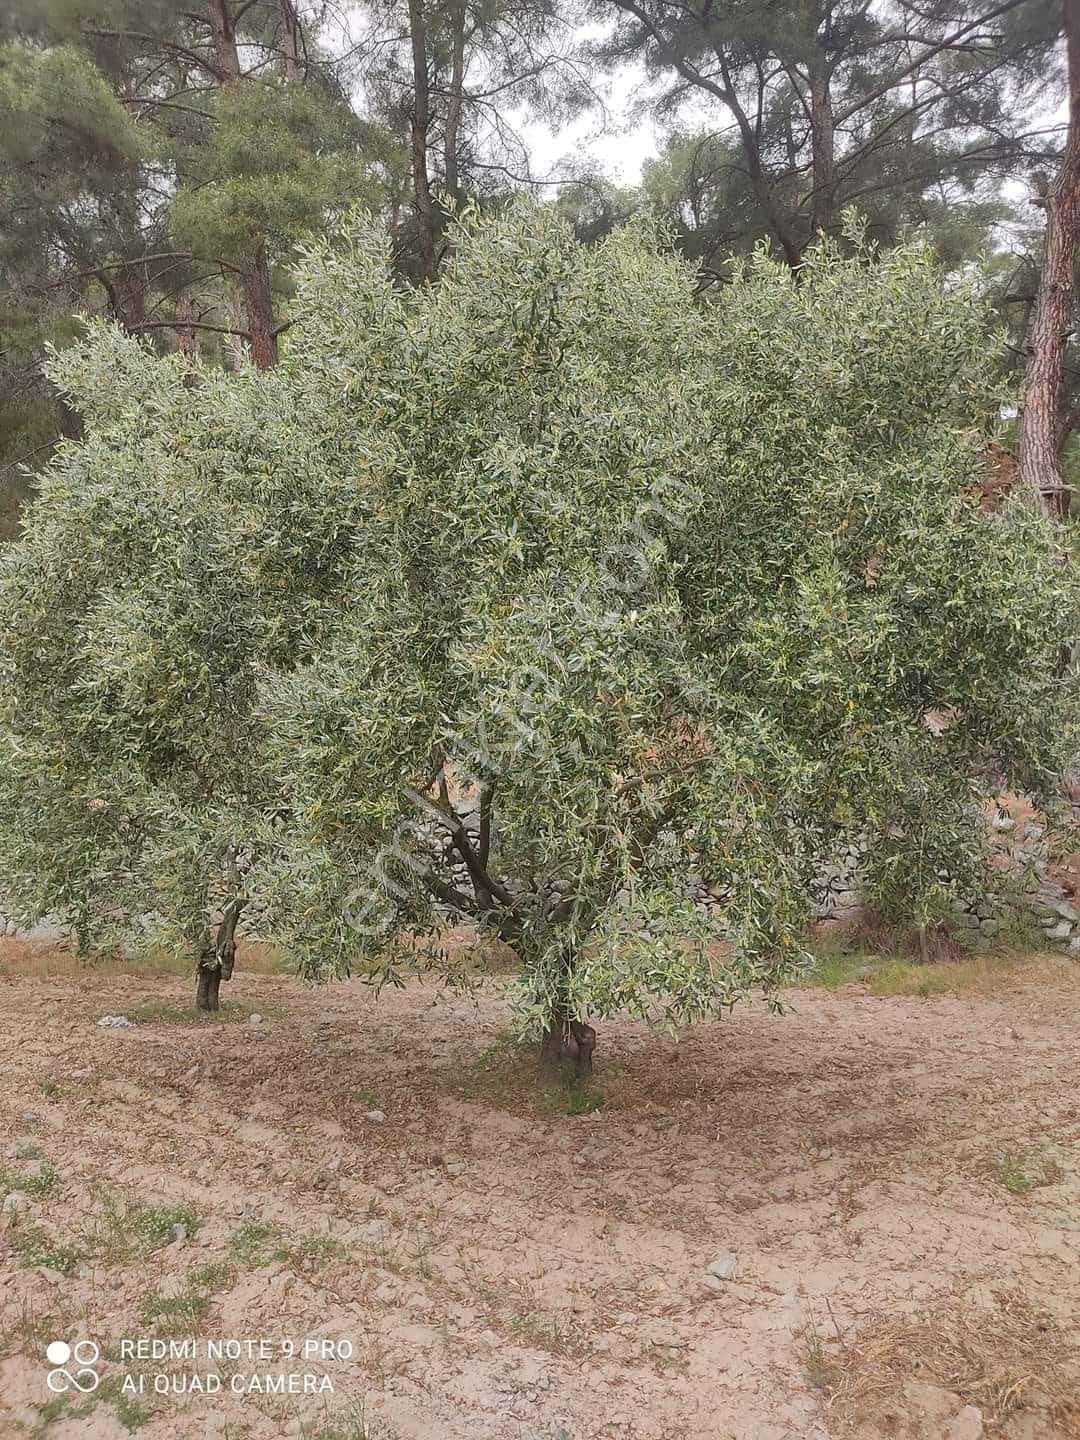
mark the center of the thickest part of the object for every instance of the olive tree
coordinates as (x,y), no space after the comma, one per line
(128,761)
(548,598)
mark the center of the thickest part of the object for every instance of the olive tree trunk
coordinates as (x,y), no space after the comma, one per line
(217,958)
(566,1040)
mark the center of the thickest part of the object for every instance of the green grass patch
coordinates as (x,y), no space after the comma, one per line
(496,1072)
(34,1246)
(131,1412)
(58,1410)
(311,1252)
(1021,1171)
(174,1314)
(819,1370)
(125,1230)
(506,1075)
(833,968)
(34,1328)
(891,975)
(212,1277)
(37,1184)
(575,1100)
(255,1244)
(184,1313)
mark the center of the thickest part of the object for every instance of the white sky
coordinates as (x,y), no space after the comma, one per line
(608,137)
(618,134)
(616,142)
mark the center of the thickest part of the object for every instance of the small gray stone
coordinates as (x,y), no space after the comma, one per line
(723,1267)
(178,1234)
(255,1019)
(375,1116)
(456,1167)
(1061,931)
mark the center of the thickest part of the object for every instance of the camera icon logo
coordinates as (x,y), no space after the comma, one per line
(85,1354)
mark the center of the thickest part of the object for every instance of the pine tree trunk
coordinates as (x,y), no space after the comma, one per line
(823,147)
(1040,467)
(455,102)
(253,282)
(259,308)
(421,120)
(185,335)
(290,40)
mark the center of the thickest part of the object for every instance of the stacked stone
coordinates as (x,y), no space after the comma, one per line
(1022,846)
(836,890)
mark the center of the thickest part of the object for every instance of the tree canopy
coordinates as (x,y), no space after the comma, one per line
(672,586)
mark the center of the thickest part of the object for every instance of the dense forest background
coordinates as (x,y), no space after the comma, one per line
(161,163)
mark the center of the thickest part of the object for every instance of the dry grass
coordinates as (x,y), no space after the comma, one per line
(1011,1358)
(840,962)
(44,959)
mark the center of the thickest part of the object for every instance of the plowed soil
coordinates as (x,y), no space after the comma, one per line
(897,1179)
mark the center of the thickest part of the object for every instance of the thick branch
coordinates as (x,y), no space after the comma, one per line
(189,325)
(478,873)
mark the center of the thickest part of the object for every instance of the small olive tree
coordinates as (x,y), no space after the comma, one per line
(128,758)
(545,597)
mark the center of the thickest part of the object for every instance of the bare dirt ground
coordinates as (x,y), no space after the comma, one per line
(897,1177)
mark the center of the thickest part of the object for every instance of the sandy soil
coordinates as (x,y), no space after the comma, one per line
(508,1271)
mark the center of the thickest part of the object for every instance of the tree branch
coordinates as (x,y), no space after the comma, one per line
(479,875)
(189,325)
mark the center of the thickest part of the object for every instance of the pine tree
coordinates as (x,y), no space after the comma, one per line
(905,111)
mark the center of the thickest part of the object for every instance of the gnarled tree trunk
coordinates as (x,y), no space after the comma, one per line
(566,1040)
(217,958)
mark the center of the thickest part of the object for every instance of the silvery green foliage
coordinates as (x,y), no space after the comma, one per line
(677,583)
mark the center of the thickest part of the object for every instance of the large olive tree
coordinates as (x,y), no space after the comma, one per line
(544,597)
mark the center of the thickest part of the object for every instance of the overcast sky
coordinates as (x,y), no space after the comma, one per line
(616,142)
